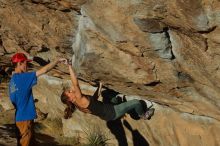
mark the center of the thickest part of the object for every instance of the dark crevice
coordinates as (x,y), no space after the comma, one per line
(1,43)
(44,48)
(155,83)
(35,2)
(66,10)
(40,61)
(82,79)
(166,30)
(206,44)
(208,30)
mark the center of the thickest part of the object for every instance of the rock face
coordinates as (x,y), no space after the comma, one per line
(166,51)
(37,26)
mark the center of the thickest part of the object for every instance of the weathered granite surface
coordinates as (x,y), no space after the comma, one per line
(165,51)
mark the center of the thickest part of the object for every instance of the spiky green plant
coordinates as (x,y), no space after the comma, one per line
(96,137)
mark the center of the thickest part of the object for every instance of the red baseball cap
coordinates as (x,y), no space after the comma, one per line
(19,57)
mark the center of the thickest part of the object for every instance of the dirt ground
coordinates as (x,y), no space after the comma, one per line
(45,134)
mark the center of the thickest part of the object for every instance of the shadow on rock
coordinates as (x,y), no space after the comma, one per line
(116,126)
(44,139)
(8,130)
(40,61)
(117,129)
(137,138)
(8,136)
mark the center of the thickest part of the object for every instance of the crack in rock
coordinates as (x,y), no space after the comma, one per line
(162,44)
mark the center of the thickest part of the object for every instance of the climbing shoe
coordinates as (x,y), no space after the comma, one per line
(148,114)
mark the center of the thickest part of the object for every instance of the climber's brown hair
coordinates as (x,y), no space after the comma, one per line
(70,106)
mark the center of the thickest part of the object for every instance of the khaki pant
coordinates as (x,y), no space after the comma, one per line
(25,133)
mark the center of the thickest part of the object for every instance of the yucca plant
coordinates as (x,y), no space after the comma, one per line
(96,137)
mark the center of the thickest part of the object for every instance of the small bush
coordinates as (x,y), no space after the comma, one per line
(96,137)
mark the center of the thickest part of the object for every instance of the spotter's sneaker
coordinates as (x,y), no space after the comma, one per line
(148,114)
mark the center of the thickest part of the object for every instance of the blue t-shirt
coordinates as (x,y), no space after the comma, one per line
(20,90)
